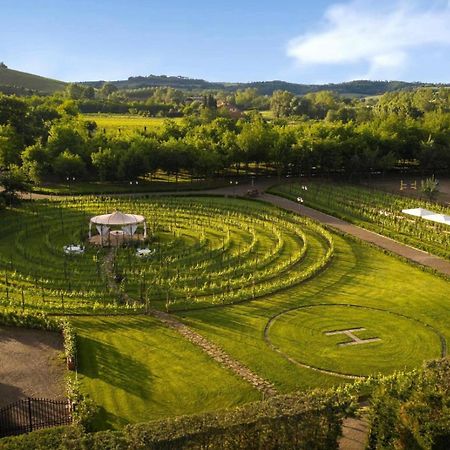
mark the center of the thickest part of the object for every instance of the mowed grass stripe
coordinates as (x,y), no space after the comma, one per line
(138,370)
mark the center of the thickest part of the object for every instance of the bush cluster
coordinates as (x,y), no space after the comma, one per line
(412,410)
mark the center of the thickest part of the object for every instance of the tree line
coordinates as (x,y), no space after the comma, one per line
(48,139)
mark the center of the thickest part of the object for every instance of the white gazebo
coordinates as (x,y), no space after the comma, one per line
(117,227)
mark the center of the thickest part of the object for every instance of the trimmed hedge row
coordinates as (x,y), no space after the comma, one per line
(307,420)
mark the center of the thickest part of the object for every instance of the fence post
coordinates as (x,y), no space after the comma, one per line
(30,417)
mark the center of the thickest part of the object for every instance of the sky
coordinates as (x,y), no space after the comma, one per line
(318,41)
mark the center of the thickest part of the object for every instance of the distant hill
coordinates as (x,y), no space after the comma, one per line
(22,83)
(361,88)
(13,81)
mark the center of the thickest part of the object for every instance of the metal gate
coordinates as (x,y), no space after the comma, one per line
(31,414)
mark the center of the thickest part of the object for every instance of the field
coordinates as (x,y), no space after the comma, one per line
(262,284)
(127,123)
(375,210)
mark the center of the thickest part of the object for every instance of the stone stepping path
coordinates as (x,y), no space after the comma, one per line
(214,351)
(355,433)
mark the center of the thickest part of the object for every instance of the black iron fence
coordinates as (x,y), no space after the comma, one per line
(32,414)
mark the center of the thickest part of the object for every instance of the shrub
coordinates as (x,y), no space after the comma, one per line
(412,410)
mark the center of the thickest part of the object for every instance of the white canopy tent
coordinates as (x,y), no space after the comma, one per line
(428,215)
(128,224)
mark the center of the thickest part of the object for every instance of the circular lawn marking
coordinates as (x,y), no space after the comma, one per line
(377,341)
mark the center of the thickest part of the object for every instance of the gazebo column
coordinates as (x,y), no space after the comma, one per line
(90,230)
(145,229)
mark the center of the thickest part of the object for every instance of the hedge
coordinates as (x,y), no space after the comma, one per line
(412,410)
(296,421)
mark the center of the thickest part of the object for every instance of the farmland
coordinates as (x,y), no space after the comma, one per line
(126,123)
(263,284)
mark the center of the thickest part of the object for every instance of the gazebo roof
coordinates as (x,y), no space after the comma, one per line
(117,218)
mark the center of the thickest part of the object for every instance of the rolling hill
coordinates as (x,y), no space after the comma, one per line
(22,83)
(359,88)
(13,81)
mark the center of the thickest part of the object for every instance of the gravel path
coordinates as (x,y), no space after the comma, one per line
(30,365)
(216,353)
(426,259)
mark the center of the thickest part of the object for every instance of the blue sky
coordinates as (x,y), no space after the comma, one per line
(300,41)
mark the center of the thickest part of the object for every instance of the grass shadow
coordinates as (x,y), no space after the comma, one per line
(103,361)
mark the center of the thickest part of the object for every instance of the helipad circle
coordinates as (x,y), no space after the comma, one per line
(351,340)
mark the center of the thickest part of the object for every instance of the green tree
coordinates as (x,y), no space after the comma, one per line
(75,91)
(255,139)
(13,181)
(105,161)
(107,89)
(280,103)
(11,145)
(36,162)
(67,164)
(132,164)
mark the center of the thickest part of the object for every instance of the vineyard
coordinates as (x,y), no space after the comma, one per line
(263,284)
(202,253)
(377,211)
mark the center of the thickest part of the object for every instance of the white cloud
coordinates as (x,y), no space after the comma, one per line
(379,36)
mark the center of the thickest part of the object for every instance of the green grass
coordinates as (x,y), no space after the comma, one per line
(160,182)
(357,275)
(301,334)
(127,123)
(11,77)
(138,370)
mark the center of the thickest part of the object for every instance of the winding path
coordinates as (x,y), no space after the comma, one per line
(413,254)
(436,263)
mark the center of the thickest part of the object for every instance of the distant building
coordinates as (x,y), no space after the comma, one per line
(194,98)
(234,112)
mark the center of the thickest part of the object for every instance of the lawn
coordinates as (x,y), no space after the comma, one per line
(138,370)
(357,275)
(160,182)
